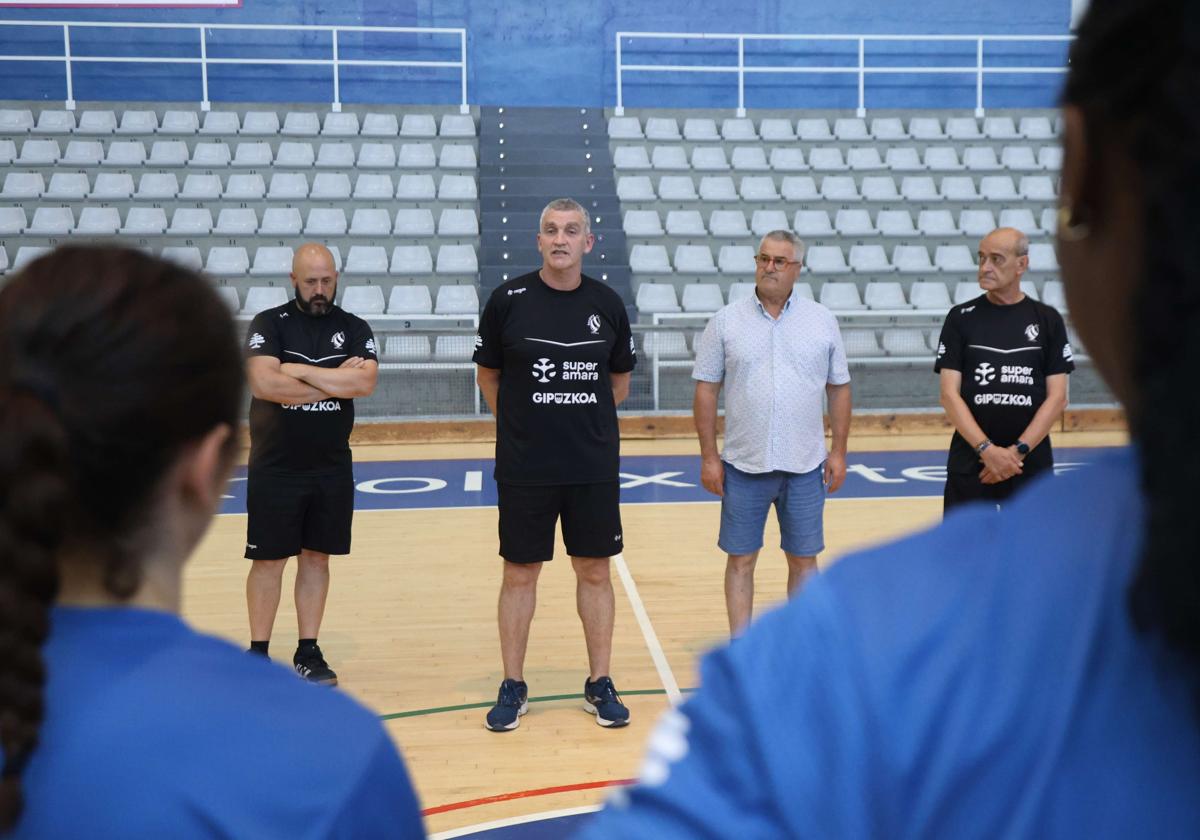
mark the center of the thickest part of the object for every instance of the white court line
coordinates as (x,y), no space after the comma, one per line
(509,821)
(656,652)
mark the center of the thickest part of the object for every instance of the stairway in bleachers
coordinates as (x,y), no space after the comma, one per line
(529,157)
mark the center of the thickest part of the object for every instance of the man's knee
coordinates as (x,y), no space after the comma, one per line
(268,568)
(741,564)
(594,571)
(314,560)
(521,575)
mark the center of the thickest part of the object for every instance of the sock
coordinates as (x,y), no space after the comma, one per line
(260,647)
(306,644)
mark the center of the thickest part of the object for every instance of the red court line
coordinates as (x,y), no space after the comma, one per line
(522,794)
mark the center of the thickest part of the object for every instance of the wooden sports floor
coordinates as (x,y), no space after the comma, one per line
(410,629)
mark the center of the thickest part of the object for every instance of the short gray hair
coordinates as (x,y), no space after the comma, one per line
(563,205)
(787,236)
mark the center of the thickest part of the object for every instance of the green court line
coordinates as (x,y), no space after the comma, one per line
(546,699)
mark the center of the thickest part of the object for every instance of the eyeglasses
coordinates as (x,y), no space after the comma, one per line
(780,263)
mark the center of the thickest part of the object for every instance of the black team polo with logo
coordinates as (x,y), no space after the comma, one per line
(1004,354)
(556,423)
(300,484)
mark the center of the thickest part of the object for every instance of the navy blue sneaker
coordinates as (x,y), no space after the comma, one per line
(510,705)
(601,699)
(310,663)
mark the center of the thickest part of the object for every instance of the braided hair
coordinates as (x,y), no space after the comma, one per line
(110,362)
(1135,75)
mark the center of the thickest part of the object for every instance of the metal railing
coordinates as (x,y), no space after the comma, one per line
(204,61)
(980,69)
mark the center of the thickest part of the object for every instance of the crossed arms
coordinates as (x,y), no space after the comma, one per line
(291,383)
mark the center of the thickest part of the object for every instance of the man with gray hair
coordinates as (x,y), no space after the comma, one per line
(555,355)
(1003,359)
(779,355)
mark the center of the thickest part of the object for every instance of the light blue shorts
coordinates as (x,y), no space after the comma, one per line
(799,500)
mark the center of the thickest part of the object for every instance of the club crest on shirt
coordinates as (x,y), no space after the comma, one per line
(1068,354)
(256,341)
(593,323)
(370,346)
(1031,332)
(338,340)
(985,373)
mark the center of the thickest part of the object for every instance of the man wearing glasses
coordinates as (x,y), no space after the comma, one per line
(779,354)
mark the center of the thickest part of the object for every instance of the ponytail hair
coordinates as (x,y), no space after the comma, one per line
(1135,75)
(110,362)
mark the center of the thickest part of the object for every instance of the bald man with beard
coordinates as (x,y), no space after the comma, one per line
(307,361)
(1003,359)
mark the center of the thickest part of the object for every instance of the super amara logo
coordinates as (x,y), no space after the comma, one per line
(326,405)
(561,398)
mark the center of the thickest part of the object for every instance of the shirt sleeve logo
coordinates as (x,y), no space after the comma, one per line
(478,341)
(370,346)
(338,339)
(593,323)
(543,370)
(941,349)
(256,341)
(1068,354)
(632,350)
(1031,332)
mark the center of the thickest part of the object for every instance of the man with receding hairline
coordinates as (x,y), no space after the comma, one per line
(1003,359)
(555,355)
(307,361)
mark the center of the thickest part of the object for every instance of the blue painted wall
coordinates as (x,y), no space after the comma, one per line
(521,53)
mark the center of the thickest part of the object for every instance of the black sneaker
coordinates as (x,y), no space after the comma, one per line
(311,665)
(510,705)
(601,699)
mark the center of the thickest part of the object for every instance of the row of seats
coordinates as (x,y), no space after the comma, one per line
(415,348)
(256,123)
(282,186)
(412,301)
(817,129)
(923,295)
(851,222)
(858,343)
(238,221)
(276,261)
(826,259)
(838,188)
(831,159)
(290,154)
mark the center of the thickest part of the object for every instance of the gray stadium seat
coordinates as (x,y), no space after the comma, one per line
(144,221)
(912,259)
(738,130)
(185,255)
(271,260)
(168,153)
(191,221)
(841,297)
(728,224)
(861,344)
(812,223)
(363,301)
(244,186)
(736,259)
(942,159)
(82,153)
(959,188)
(1000,128)
(1018,158)
(624,128)
(288,186)
(1036,128)
(125,153)
(965,290)
(418,125)
(998,188)
(179,122)
(880,188)
(635,188)
(954,259)
(775,130)
(157,186)
(457,188)
(654,298)
(293,154)
(1050,157)
(230,295)
(371,222)
(55,122)
(416,187)
(39,153)
(221,122)
(785,159)
(414,222)
(854,223)
(685,223)
(97,122)
(68,186)
(330,186)
(16,121)
(260,123)
(642,223)
(410,300)
(340,124)
(336,156)
(864,158)
(325,221)
(980,158)
(1020,218)
(51,221)
(716,188)
(885,294)
(763,222)
(749,159)
(27,254)
(630,157)
(376,156)
(227,261)
(976,223)
(1037,188)
(839,188)
(851,129)
(252,155)
(681,188)
(280,222)
(138,122)
(929,295)
(417,156)
(826,259)
(895,223)
(98,221)
(903,159)
(22,185)
(813,130)
(12,221)
(758,188)
(937,223)
(702,297)
(457,156)
(888,128)
(259,298)
(1053,295)
(198,187)
(826,159)
(209,155)
(900,341)
(1041,257)
(301,124)
(704,158)
(374,186)
(457,259)
(662,128)
(453,348)
(799,188)
(380,125)
(962,128)
(411,260)
(458,222)
(671,157)
(649,259)
(457,300)
(700,130)
(236,221)
(694,259)
(925,128)
(870,259)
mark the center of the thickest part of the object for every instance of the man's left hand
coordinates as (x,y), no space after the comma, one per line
(835,471)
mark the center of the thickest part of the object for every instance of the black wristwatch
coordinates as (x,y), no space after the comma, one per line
(1022,448)
(979,449)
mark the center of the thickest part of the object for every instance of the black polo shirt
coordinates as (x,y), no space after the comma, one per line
(557,422)
(1004,354)
(312,438)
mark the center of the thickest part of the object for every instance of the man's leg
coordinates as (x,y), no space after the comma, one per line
(799,568)
(518,599)
(263,586)
(739,590)
(596,605)
(312,590)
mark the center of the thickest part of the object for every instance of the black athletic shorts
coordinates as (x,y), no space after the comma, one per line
(591,520)
(966,487)
(291,512)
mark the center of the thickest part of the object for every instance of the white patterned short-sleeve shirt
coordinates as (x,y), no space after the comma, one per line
(774,371)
